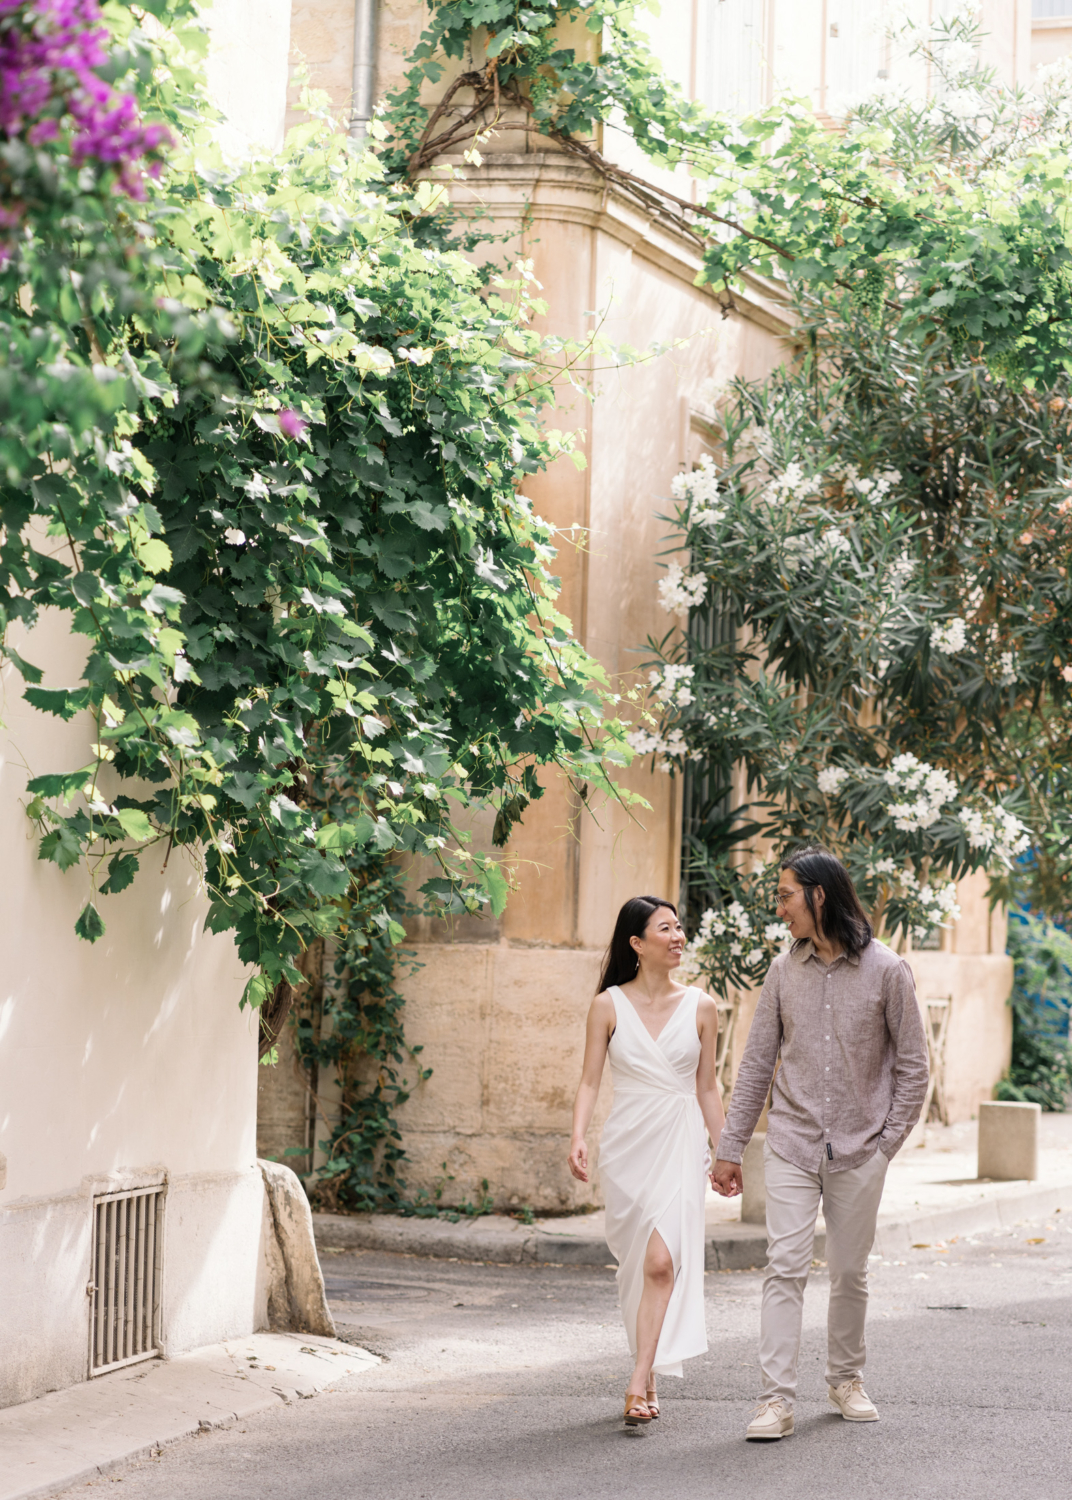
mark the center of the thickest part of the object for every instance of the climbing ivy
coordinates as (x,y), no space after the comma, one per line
(290,530)
(958,199)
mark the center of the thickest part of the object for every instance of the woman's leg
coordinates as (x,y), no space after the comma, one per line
(654,1300)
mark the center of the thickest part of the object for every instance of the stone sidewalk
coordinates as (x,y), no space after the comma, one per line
(932,1193)
(79,1434)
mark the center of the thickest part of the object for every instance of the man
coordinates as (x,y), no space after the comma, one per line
(840,1007)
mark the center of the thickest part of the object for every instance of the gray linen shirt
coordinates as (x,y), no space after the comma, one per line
(854,1060)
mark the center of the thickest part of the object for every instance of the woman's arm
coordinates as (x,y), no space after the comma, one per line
(601,1023)
(706,1079)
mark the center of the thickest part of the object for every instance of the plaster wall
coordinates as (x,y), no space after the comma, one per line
(1051,39)
(247,72)
(500,1009)
(124,1063)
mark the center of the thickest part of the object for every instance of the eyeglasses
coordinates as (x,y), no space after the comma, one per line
(783,898)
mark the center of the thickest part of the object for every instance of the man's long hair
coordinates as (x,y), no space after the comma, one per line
(841,919)
(620,961)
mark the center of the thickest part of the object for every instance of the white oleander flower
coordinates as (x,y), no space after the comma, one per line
(831,779)
(1007,673)
(950,638)
(959,104)
(644,742)
(997,829)
(910,817)
(671,683)
(834,542)
(791,485)
(700,489)
(754,956)
(680,591)
(934,787)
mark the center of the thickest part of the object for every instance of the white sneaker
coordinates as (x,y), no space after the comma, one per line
(773,1420)
(852,1401)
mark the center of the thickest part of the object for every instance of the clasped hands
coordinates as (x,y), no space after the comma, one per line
(727,1178)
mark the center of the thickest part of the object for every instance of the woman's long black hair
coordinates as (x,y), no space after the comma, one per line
(620,964)
(841,919)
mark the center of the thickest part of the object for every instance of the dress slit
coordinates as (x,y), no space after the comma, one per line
(669,1231)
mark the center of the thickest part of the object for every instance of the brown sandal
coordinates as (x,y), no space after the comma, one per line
(651,1401)
(636,1412)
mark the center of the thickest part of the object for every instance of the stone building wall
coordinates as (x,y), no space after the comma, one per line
(499,1007)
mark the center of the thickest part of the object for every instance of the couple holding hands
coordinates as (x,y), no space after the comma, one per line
(839,1010)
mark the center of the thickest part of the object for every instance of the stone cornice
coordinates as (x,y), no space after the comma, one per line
(550,187)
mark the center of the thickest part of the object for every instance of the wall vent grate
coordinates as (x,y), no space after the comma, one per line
(125,1286)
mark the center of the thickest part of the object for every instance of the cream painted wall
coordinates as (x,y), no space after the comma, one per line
(122,1064)
(247,71)
(125,1063)
(1051,39)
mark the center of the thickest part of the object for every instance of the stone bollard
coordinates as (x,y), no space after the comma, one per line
(754,1197)
(1008,1141)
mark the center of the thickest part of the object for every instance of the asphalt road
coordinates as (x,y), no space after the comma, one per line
(506,1383)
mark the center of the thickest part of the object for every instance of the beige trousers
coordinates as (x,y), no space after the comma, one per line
(850,1207)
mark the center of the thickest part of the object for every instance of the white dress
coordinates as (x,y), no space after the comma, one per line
(653,1161)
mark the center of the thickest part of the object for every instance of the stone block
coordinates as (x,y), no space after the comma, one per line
(754,1197)
(1008,1141)
(296,1300)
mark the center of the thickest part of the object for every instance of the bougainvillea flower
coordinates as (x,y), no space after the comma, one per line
(291,424)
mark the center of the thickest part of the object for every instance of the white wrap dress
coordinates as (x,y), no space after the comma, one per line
(653,1162)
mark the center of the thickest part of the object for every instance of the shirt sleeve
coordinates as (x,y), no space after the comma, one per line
(756,1071)
(911,1066)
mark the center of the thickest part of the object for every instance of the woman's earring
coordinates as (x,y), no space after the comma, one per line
(638,963)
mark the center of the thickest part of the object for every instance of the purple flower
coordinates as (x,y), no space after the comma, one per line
(50,51)
(291,425)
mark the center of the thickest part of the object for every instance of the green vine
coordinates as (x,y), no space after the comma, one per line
(963,202)
(263,437)
(351,586)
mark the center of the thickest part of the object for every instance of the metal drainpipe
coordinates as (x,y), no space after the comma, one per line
(364,79)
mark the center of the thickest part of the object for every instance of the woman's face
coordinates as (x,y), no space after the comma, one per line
(663,941)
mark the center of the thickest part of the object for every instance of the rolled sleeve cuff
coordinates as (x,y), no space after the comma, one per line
(729,1150)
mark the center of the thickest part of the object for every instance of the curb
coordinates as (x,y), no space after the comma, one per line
(89,1430)
(729,1247)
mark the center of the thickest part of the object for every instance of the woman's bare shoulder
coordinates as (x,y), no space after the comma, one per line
(602,1014)
(706,1005)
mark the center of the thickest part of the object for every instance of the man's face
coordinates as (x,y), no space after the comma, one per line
(793,908)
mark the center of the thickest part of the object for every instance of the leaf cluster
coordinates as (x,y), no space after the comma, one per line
(292,535)
(1041,1067)
(889,558)
(957,202)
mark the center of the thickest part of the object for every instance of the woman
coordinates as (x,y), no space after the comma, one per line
(660,1038)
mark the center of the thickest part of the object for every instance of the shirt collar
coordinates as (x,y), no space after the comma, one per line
(807,950)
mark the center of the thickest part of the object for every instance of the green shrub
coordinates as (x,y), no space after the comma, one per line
(1041,1068)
